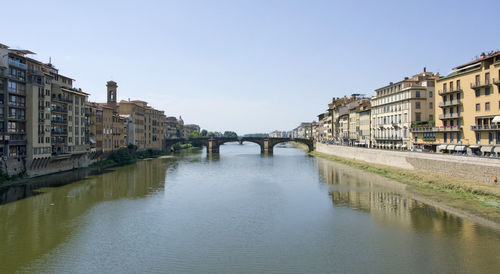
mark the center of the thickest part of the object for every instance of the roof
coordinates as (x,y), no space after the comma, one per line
(482,58)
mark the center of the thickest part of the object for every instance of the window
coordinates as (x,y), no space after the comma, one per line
(458,84)
(430,105)
(431,117)
(490,138)
(487,78)
(498,138)
(444,87)
(417,105)
(478,138)
(418,117)
(458,137)
(477,80)
(417,94)
(445,137)
(451,86)
(430,94)
(487,91)
(478,107)
(478,92)
(487,106)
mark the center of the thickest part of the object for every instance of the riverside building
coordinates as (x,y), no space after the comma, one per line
(398,106)
(468,109)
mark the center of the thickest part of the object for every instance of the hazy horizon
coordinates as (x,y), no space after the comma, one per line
(248,66)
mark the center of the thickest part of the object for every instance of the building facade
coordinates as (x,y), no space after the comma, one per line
(468,110)
(398,106)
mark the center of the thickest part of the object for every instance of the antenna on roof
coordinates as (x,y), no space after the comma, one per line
(50,60)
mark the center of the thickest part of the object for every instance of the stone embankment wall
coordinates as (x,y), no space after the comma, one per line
(472,168)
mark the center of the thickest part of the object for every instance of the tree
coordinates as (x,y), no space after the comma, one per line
(194,134)
(230,134)
(204,133)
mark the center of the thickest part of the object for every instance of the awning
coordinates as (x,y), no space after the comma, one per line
(497,150)
(403,146)
(460,148)
(398,145)
(450,147)
(496,119)
(474,146)
(441,147)
(486,148)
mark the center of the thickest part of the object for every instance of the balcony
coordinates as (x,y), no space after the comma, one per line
(480,84)
(436,129)
(18,64)
(450,103)
(59,109)
(17,117)
(59,132)
(446,92)
(17,104)
(496,82)
(485,127)
(59,121)
(17,78)
(62,99)
(449,116)
(389,138)
(16,131)
(18,92)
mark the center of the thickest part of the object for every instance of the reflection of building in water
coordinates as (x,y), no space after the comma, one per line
(33,226)
(386,201)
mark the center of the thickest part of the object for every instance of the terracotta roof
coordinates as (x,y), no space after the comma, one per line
(479,59)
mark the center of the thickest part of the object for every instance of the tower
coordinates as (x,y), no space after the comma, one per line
(112,90)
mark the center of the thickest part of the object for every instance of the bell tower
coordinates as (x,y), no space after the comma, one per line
(112,90)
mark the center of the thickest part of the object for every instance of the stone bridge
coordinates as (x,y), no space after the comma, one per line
(213,143)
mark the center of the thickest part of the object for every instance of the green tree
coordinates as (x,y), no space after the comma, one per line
(230,134)
(194,134)
(204,133)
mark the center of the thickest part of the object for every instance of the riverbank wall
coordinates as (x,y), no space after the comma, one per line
(472,168)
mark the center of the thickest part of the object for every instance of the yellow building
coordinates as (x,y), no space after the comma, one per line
(469,109)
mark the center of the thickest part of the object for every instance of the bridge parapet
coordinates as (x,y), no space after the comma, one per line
(213,143)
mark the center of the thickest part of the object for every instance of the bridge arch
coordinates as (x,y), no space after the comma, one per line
(212,144)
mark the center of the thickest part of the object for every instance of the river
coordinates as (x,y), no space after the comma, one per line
(239,211)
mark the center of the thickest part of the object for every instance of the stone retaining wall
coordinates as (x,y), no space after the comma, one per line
(473,168)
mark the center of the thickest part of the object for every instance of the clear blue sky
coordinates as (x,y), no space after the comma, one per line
(248,66)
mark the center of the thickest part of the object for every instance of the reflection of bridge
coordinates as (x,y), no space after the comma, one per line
(212,143)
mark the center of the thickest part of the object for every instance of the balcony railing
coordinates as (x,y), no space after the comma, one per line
(17,117)
(445,92)
(59,109)
(17,77)
(449,116)
(59,132)
(16,131)
(17,104)
(389,138)
(484,127)
(16,91)
(59,121)
(435,129)
(62,99)
(17,64)
(450,103)
(479,84)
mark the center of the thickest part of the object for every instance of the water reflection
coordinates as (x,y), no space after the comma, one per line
(393,205)
(32,227)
